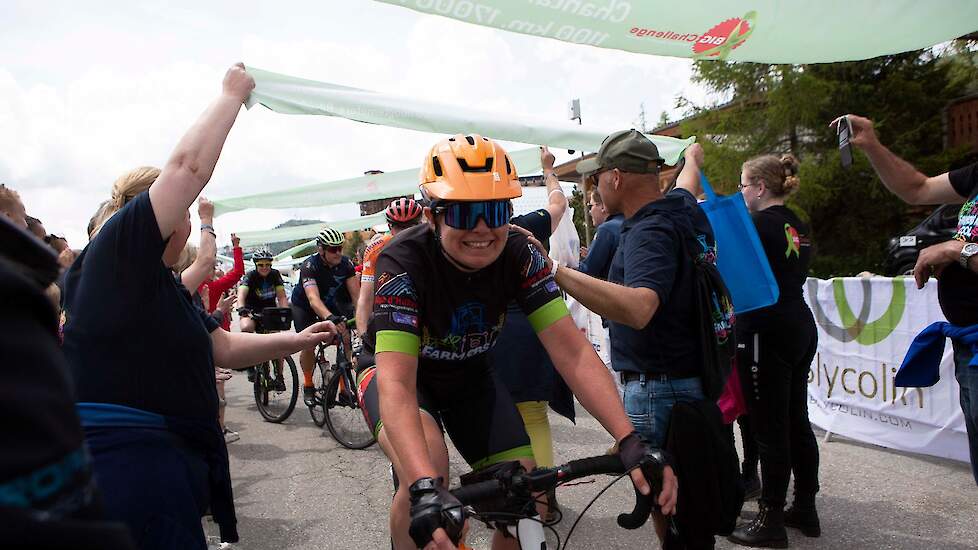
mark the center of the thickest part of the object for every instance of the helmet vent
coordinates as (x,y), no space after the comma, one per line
(509,169)
(470,139)
(436,164)
(481,169)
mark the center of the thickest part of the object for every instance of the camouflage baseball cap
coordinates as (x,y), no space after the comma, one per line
(627,150)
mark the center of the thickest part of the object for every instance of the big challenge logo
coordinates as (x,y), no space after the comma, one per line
(875,384)
(716,43)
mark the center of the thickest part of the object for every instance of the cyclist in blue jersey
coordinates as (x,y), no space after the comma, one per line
(327,290)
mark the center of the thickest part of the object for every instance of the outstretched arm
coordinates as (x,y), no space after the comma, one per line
(203,265)
(191,164)
(898,175)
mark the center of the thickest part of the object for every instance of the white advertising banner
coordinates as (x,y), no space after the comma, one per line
(865,326)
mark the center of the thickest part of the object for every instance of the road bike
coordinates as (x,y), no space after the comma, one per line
(336,403)
(276,385)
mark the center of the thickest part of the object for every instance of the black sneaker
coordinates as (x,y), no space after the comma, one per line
(251,374)
(309,396)
(278,384)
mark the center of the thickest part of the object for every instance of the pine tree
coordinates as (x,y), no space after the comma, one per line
(787,108)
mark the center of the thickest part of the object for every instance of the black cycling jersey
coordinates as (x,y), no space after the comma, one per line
(262,291)
(331,281)
(450,319)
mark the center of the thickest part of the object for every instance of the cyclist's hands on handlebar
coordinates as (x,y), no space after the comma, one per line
(437,518)
(634,451)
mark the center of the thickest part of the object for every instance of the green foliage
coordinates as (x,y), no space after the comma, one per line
(777,109)
(579,205)
(352,245)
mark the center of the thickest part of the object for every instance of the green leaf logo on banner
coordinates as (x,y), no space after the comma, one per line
(858,327)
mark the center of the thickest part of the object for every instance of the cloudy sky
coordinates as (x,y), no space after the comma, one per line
(91,89)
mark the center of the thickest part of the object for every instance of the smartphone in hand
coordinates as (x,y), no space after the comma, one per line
(845,148)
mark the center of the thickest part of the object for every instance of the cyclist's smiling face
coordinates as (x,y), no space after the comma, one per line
(264,269)
(476,248)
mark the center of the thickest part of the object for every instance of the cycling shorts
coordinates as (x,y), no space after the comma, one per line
(302,318)
(473,407)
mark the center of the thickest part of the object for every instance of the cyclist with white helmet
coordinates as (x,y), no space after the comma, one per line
(402,213)
(327,290)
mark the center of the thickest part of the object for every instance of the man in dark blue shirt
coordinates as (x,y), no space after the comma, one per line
(649,296)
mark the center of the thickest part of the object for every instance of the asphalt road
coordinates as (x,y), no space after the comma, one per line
(295,488)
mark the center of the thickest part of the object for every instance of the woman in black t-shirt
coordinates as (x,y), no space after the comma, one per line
(142,356)
(779,344)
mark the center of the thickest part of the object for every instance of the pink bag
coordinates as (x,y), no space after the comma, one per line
(731,401)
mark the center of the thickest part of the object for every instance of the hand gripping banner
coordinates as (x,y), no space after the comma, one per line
(763,31)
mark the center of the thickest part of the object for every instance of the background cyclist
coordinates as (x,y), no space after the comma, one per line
(327,288)
(441,296)
(401,214)
(262,287)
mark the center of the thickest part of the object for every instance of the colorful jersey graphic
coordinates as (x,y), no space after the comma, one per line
(425,306)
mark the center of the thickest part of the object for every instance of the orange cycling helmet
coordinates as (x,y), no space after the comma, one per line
(468,168)
(403,211)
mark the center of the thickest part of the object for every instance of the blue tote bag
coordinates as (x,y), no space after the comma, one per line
(740,256)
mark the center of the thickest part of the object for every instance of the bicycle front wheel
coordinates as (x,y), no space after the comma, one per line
(276,389)
(318,410)
(344,417)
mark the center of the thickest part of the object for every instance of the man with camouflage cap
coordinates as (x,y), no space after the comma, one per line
(648,298)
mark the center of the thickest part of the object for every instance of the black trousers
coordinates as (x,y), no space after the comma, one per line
(776,390)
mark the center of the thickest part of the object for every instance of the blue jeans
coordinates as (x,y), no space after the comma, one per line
(967,378)
(649,401)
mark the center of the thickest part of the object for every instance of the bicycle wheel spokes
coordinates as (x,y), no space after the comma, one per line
(276,389)
(344,418)
(319,377)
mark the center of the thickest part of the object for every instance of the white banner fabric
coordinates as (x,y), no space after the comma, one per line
(865,327)
(298,96)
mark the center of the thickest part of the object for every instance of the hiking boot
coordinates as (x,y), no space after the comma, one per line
(309,396)
(803,518)
(765,531)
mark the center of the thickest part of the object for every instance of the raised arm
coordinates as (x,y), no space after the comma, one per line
(556,200)
(689,177)
(203,265)
(233,276)
(898,175)
(192,162)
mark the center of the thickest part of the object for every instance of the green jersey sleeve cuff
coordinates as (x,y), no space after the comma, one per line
(548,314)
(396,340)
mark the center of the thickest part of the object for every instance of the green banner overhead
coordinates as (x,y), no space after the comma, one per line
(291,95)
(309,231)
(763,31)
(358,189)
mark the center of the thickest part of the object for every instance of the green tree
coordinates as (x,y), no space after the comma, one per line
(786,109)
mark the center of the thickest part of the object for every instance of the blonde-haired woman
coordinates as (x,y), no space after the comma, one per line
(142,356)
(780,344)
